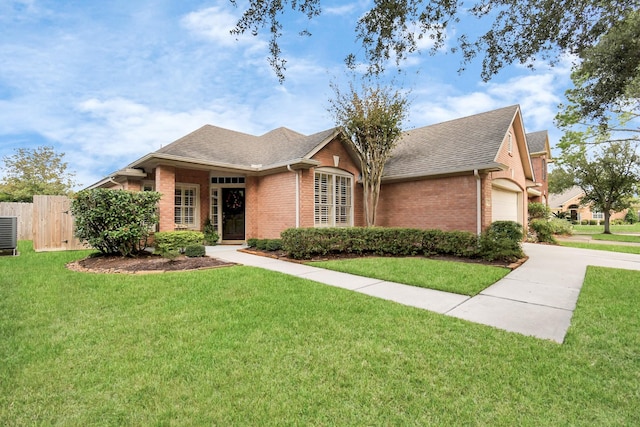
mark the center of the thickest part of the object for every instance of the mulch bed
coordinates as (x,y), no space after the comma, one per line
(144,263)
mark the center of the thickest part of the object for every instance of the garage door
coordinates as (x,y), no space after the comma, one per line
(504,205)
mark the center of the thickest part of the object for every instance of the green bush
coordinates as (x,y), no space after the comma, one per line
(618,221)
(507,229)
(274,244)
(261,244)
(539,210)
(211,236)
(115,221)
(561,227)
(195,251)
(543,230)
(593,222)
(168,242)
(252,242)
(502,241)
(631,216)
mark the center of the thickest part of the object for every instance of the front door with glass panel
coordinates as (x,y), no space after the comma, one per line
(233,214)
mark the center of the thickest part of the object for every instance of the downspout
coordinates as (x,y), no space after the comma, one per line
(478,201)
(297,195)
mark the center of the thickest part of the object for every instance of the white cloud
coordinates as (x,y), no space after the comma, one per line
(215,24)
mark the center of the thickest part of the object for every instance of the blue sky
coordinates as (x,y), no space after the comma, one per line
(106,82)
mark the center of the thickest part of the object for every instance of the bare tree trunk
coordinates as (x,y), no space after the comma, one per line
(607,219)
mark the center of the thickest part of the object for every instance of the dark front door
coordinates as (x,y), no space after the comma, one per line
(233,214)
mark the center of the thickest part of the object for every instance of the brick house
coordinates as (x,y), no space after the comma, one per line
(570,202)
(540,152)
(458,175)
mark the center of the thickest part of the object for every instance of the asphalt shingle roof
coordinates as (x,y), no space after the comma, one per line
(557,200)
(215,144)
(537,141)
(457,145)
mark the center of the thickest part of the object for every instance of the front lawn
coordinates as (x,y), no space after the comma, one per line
(617,238)
(598,229)
(245,346)
(457,277)
(603,247)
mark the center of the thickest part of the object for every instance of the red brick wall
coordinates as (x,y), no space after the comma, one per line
(443,203)
(201,178)
(515,171)
(166,184)
(274,209)
(540,171)
(346,163)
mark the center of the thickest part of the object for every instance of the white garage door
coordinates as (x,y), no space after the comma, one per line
(504,205)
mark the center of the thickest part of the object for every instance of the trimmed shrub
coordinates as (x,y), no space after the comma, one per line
(539,211)
(502,241)
(115,221)
(252,242)
(261,244)
(561,227)
(274,244)
(593,222)
(308,242)
(631,216)
(168,242)
(543,230)
(195,251)
(211,236)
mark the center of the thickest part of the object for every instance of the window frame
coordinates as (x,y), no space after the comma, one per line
(196,206)
(336,201)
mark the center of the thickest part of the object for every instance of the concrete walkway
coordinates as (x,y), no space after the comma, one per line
(536,299)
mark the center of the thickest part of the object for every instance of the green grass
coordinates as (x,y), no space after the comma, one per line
(603,247)
(598,229)
(244,346)
(457,277)
(616,238)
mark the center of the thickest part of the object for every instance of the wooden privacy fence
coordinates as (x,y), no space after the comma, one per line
(24,212)
(47,222)
(53,224)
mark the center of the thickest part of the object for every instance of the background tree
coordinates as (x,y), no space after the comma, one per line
(371,119)
(520,30)
(609,177)
(38,171)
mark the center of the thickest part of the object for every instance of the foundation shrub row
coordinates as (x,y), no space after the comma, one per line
(502,241)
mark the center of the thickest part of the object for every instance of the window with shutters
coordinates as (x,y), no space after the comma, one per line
(333,205)
(186,206)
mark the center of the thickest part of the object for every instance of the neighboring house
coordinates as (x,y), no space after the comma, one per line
(569,201)
(540,152)
(458,175)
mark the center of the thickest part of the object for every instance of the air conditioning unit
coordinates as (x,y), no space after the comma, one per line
(9,233)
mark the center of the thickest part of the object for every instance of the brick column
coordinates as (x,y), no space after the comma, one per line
(166,184)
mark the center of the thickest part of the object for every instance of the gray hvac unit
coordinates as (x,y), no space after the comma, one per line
(8,233)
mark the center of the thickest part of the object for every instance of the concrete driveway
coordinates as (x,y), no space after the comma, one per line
(538,298)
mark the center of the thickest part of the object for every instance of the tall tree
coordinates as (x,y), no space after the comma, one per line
(609,176)
(607,78)
(520,30)
(38,171)
(371,118)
